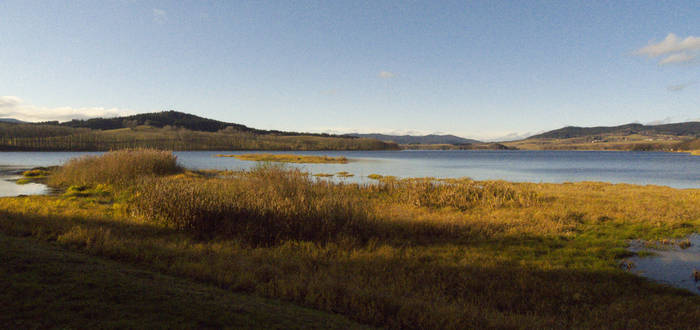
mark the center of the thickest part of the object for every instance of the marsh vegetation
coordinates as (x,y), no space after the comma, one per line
(397,253)
(289,158)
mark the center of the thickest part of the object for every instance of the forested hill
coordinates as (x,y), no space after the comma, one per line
(172,119)
(158,119)
(677,129)
(417,139)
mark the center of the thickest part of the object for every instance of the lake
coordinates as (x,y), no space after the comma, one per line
(679,170)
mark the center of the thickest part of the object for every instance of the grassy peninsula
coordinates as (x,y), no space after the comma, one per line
(289,158)
(399,253)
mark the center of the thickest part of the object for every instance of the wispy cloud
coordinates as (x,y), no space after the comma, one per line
(678,58)
(680,87)
(672,49)
(15,107)
(386,75)
(160,16)
(666,120)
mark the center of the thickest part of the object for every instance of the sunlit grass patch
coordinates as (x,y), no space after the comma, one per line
(38,174)
(344,174)
(97,191)
(289,158)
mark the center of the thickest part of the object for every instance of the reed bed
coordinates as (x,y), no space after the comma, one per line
(263,206)
(271,204)
(119,168)
(462,194)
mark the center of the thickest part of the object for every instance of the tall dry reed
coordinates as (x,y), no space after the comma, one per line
(262,206)
(118,168)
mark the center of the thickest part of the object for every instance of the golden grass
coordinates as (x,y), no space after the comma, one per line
(39,174)
(411,253)
(289,158)
(119,168)
(695,152)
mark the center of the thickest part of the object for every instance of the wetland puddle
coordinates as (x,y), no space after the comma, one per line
(669,264)
(9,186)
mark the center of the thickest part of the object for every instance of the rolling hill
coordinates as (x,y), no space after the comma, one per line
(630,137)
(677,129)
(173,119)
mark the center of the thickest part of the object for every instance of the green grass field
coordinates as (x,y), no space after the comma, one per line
(43,285)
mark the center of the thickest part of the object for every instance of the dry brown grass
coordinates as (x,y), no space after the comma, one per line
(264,206)
(119,168)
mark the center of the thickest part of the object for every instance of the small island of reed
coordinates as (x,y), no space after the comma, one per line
(290,158)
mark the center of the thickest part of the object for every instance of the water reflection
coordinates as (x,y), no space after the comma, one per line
(9,187)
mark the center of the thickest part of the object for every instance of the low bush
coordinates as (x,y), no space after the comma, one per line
(117,168)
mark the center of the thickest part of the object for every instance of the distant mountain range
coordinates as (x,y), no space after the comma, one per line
(416,139)
(677,129)
(677,136)
(11,120)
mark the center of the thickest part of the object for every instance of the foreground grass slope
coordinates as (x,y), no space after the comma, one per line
(415,253)
(42,285)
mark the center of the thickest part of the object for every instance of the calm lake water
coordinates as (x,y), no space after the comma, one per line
(679,170)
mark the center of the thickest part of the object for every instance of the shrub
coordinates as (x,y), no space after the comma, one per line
(117,168)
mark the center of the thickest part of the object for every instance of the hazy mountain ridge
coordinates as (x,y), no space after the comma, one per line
(11,121)
(417,139)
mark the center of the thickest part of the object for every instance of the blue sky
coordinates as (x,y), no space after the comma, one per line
(483,69)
